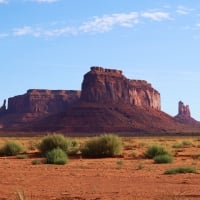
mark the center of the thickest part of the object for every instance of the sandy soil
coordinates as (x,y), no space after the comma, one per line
(130,177)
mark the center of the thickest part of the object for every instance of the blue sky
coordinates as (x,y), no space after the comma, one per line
(51,44)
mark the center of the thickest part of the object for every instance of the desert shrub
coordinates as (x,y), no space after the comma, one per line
(74,143)
(74,147)
(187,143)
(11,148)
(181,170)
(166,158)
(22,156)
(107,145)
(54,141)
(56,156)
(36,162)
(155,150)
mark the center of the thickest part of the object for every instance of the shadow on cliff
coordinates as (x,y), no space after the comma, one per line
(91,119)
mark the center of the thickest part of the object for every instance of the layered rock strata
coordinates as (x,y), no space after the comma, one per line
(184,114)
(111,86)
(42,101)
(108,102)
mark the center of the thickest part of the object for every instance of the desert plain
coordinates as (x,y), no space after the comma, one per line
(129,176)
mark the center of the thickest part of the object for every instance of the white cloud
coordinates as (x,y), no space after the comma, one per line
(107,22)
(183,10)
(59,32)
(38,32)
(97,24)
(26,30)
(3,1)
(156,15)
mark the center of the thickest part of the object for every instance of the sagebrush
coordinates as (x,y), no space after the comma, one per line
(54,141)
(56,156)
(156,150)
(11,148)
(107,145)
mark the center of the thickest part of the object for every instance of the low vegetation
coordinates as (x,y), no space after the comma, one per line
(107,145)
(36,162)
(22,156)
(11,148)
(187,143)
(134,159)
(183,144)
(53,141)
(181,170)
(156,150)
(166,158)
(56,156)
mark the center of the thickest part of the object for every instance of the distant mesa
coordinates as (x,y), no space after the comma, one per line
(107,102)
(42,101)
(111,86)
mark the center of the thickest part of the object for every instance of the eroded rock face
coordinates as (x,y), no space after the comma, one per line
(183,110)
(111,86)
(3,108)
(42,101)
(183,113)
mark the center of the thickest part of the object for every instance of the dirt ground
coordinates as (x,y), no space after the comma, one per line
(130,177)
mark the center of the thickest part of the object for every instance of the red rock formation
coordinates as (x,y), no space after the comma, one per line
(183,110)
(184,114)
(111,86)
(3,108)
(109,102)
(42,101)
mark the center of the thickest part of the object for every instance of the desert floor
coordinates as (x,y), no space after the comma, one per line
(129,177)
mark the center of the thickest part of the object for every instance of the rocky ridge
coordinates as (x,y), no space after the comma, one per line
(108,102)
(42,101)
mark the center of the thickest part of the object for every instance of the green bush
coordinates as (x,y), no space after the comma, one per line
(155,150)
(74,147)
(107,145)
(54,141)
(11,148)
(187,143)
(56,156)
(166,158)
(181,170)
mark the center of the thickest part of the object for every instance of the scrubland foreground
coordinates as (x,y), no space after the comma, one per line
(129,176)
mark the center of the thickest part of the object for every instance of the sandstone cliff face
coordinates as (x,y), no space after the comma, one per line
(42,101)
(183,110)
(111,86)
